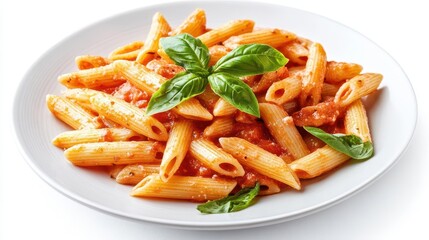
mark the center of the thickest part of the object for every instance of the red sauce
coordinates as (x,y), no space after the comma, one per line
(192,167)
(131,94)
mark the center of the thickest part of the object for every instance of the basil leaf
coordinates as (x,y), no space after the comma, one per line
(188,52)
(350,145)
(235,91)
(237,202)
(250,59)
(171,93)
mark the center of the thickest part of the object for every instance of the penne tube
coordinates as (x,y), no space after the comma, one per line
(164,56)
(159,29)
(192,109)
(356,121)
(220,127)
(215,158)
(139,75)
(318,162)
(208,98)
(284,90)
(71,113)
(183,187)
(223,108)
(194,25)
(340,71)
(71,138)
(268,187)
(304,41)
(297,72)
(312,80)
(242,117)
(295,52)
(291,107)
(128,116)
(273,37)
(260,160)
(329,90)
(268,79)
(217,52)
(114,170)
(87,61)
(114,153)
(134,173)
(81,96)
(357,87)
(176,148)
(126,52)
(282,128)
(164,68)
(95,78)
(223,32)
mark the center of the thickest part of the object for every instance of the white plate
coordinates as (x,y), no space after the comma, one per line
(392,115)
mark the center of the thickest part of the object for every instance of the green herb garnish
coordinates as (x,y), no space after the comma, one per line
(223,77)
(351,145)
(239,201)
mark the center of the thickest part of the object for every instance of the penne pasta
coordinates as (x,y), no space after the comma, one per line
(357,87)
(223,108)
(295,52)
(114,170)
(312,80)
(268,79)
(260,160)
(268,187)
(139,75)
(297,72)
(215,158)
(223,32)
(208,98)
(164,56)
(356,121)
(284,91)
(128,116)
(114,153)
(127,52)
(176,148)
(71,138)
(184,187)
(220,127)
(194,25)
(340,71)
(282,128)
(81,96)
(273,37)
(71,113)
(134,173)
(329,90)
(217,52)
(87,61)
(192,109)
(159,28)
(94,78)
(318,162)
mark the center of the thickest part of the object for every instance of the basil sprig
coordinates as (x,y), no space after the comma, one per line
(239,201)
(351,145)
(223,77)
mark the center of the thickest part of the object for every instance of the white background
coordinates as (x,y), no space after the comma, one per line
(394,207)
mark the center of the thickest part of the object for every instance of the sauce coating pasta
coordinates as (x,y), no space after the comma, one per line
(114,92)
